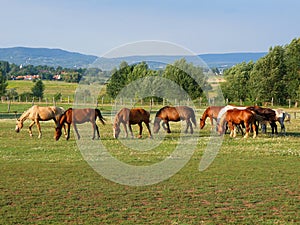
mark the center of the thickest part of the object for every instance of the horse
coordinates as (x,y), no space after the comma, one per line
(212,112)
(174,114)
(131,117)
(79,116)
(281,115)
(238,117)
(39,113)
(264,115)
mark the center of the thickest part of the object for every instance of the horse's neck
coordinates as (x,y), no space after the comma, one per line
(117,121)
(24,116)
(62,119)
(205,115)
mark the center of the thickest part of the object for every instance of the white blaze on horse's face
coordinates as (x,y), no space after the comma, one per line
(116,132)
(19,126)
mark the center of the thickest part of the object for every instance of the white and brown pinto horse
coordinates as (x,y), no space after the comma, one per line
(212,113)
(39,113)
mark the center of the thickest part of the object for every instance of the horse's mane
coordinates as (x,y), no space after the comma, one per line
(116,120)
(162,109)
(25,114)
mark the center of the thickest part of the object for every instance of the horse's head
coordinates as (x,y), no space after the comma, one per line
(156,125)
(57,133)
(19,125)
(117,131)
(202,123)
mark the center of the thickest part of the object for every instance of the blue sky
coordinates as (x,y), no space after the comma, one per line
(96,27)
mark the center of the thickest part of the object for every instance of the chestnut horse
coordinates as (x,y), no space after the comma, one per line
(39,113)
(212,112)
(131,117)
(238,117)
(175,114)
(78,116)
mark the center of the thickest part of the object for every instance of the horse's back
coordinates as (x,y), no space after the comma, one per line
(240,114)
(139,115)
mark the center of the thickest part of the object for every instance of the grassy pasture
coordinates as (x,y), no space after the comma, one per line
(51,87)
(251,181)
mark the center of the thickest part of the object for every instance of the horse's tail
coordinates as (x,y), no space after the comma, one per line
(287,117)
(99,115)
(193,118)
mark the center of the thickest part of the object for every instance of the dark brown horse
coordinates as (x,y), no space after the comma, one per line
(212,112)
(78,116)
(130,117)
(238,117)
(265,115)
(174,114)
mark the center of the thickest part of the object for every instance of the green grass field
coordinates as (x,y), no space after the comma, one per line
(251,181)
(51,87)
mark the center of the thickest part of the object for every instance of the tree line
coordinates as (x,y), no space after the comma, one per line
(189,78)
(273,78)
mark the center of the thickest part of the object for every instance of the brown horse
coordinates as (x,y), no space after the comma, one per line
(39,113)
(78,116)
(238,117)
(264,115)
(130,117)
(212,112)
(174,114)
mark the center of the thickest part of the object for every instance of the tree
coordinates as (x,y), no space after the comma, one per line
(237,84)
(292,62)
(118,79)
(38,89)
(4,69)
(189,77)
(267,77)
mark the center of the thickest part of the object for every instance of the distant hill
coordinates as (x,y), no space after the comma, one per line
(45,56)
(58,57)
(225,60)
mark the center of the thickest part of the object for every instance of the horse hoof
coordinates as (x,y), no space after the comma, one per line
(139,137)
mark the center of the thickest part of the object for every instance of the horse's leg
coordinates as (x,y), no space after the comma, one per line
(76,130)
(281,121)
(141,130)
(232,129)
(274,127)
(168,127)
(65,131)
(149,131)
(68,134)
(30,128)
(264,128)
(130,129)
(211,121)
(125,128)
(94,130)
(187,127)
(97,129)
(164,125)
(39,128)
(189,124)
(254,128)
(247,130)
